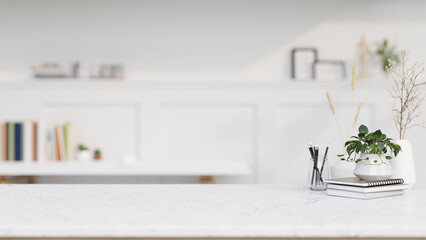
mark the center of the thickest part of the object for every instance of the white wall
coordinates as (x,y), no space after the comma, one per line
(267,125)
(199,40)
(210,41)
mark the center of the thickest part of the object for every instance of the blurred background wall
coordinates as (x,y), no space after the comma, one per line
(199,40)
(203,79)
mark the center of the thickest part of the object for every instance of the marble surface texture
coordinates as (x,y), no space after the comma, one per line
(204,211)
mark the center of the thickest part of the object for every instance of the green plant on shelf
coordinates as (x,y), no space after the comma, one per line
(387,53)
(81,147)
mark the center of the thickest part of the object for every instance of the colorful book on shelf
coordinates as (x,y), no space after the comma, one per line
(18,142)
(49,145)
(27,139)
(4,142)
(30,141)
(66,141)
(34,129)
(11,141)
(69,140)
(61,143)
(56,146)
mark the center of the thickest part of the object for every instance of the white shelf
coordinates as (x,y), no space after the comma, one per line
(132,85)
(139,168)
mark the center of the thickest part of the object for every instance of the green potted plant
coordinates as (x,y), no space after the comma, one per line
(83,153)
(97,155)
(371,153)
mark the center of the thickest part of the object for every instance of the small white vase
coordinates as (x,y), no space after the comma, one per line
(342,169)
(83,155)
(372,167)
(403,164)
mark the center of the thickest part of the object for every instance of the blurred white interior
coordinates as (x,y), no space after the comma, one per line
(204,80)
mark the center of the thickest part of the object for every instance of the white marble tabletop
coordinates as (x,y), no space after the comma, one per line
(203,211)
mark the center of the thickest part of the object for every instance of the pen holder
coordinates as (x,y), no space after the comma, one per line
(318,172)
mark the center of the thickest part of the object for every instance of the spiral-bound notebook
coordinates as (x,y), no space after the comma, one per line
(353,181)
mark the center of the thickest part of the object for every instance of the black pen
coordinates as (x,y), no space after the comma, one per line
(324,160)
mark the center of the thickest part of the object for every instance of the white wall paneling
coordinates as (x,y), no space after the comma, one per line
(209,130)
(267,125)
(112,128)
(301,123)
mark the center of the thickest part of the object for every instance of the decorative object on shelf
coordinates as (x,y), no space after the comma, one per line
(302,63)
(19,141)
(318,170)
(97,155)
(364,53)
(329,70)
(83,153)
(53,70)
(108,71)
(406,109)
(343,169)
(305,65)
(387,52)
(368,151)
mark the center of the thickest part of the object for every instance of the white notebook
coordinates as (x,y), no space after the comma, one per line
(354,181)
(358,195)
(368,189)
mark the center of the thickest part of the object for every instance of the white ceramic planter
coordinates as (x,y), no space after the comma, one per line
(83,156)
(403,164)
(373,168)
(342,169)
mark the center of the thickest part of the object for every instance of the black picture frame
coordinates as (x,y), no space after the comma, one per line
(297,60)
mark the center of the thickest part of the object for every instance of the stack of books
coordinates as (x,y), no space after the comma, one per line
(356,188)
(19,141)
(61,143)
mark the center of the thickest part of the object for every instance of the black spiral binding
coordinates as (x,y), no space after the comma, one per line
(385,182)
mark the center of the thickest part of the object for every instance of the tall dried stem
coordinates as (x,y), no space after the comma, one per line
(352,102)
(406,93)
(330,103)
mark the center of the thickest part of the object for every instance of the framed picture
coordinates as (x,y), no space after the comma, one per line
(329,70)
(302,63)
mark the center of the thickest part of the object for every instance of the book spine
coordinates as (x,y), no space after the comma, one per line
(18,141)
(53,149)
(27,146)
(4,141)
(11,141)
(72,144)
(58,143)
(34,141)
(57,157)
(49,145)
(61,143)
(66,141)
